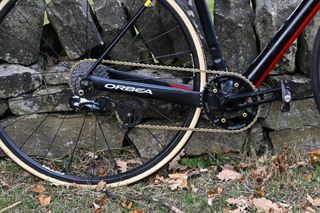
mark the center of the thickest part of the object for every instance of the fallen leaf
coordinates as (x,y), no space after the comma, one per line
(100,186)
(44,200)
(101,201)
(159,179)
(314,202)
(39,188)
(298,164)
(97,208)
(174,164)
(310,210)
(102,172)
(260,193)
(175,181)
(126,204)
(136,211)
(178,181)
(308,177)
(243,165)
(261,174)
(240,201)
(213,194)
(266,205)
(315,153)
(122,165)
(229,175)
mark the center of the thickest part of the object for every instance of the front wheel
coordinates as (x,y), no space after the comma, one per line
(41,42)
(315,70)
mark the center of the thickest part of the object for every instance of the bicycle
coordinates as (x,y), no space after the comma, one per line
(113,121)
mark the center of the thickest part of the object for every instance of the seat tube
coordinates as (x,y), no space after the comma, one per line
(210,35)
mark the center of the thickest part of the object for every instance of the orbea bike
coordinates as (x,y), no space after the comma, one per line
(102,90)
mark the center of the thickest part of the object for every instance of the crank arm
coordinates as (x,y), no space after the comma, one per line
(252,94)
(248,105)
(284,94)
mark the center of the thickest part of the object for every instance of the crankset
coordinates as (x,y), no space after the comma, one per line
(217,106)
(232,103)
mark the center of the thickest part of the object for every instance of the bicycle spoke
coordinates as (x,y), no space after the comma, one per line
(94,146)
(77,141)
(40,124)
(56,134)
(25,116)
(156,138)
(108,146)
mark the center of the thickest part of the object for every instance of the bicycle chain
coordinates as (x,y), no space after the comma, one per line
(181,69)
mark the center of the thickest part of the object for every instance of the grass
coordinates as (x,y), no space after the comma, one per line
(289,186)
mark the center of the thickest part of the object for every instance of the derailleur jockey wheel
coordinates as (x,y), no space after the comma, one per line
(223,109)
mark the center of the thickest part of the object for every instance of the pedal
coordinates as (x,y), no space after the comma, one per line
(286,96)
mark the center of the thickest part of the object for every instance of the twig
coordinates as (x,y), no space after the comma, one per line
(142,197)
(10,207)
(172,208)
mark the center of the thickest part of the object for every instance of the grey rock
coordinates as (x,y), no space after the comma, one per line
(302,113)
(306,42)
(300,85)
(59,74)
(74,25)
(201,143)
(111,17)
(265,109)
(256,143)
(17,80)
(150,142)
(301,140)
(234,20)
(165,75)
(21,33)
(270,16)
(66,139)
(3,107)
(51,99)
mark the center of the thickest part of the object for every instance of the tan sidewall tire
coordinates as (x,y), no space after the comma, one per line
(175,151)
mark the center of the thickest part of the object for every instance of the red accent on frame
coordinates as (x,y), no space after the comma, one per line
(286,47)
(178,86)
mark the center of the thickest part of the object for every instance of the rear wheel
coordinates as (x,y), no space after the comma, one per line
(41,42)
(315,70)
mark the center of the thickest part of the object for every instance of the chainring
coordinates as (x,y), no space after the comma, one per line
(218,109)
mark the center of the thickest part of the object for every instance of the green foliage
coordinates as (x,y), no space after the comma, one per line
(196,162)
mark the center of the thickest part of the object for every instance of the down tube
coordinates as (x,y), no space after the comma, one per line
(281,42)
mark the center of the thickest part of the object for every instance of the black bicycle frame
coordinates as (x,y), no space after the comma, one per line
(183,94)
(276,48)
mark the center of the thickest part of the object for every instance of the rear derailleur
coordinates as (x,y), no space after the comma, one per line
(129,113)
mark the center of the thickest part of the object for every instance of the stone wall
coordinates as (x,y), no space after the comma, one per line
(244,28)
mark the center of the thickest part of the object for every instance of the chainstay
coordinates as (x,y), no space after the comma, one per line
(193,70)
